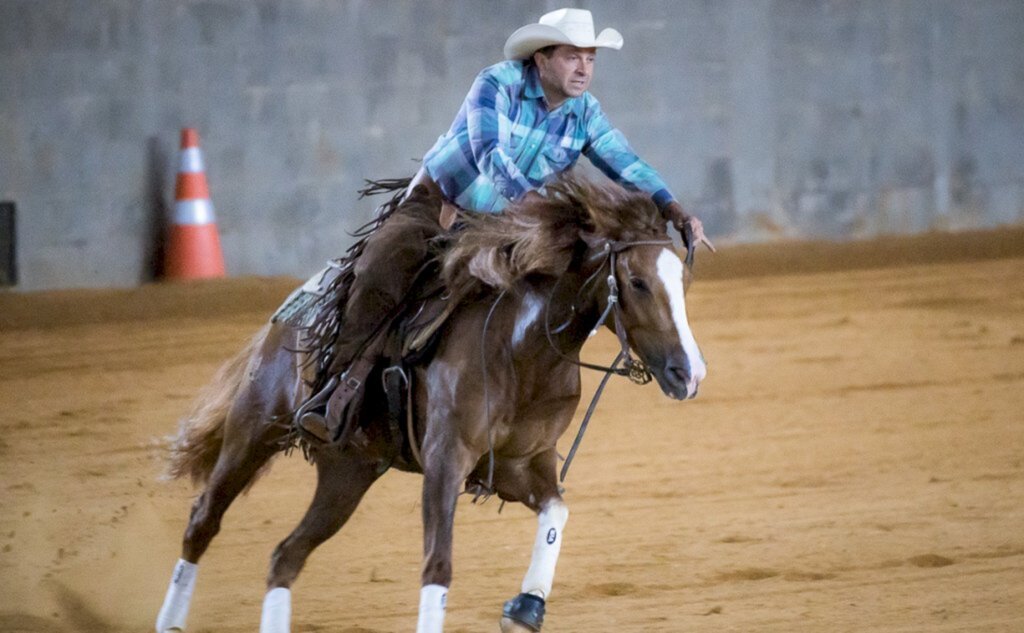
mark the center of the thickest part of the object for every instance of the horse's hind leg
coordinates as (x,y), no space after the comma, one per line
(236,467)
(539,490)
(250,440)
(343,477)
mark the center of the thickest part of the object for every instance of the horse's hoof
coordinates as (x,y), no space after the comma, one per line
(523,614)
(510,626)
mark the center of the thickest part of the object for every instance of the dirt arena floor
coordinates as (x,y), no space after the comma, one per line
(855,462)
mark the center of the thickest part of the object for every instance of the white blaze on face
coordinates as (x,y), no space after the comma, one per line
(670,270)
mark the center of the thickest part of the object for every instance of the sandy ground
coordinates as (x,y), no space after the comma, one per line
(855,462)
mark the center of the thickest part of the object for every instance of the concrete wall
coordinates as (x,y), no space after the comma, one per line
(770,118)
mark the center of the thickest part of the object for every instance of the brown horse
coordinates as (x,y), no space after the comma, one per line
(488,403)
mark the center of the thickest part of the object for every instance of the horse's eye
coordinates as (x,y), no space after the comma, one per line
(638,284)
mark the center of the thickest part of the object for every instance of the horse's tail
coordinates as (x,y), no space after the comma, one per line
(195,449)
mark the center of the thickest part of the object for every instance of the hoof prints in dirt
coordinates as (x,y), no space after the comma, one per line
(21,622)
(760,573)
(610,589)
(751,573)
(930,560)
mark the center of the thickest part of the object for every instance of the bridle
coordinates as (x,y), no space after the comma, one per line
(633,368)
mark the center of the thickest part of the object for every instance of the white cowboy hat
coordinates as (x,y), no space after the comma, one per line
(564,26)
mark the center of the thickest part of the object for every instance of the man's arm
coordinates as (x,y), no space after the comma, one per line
(487,108)
(608,150)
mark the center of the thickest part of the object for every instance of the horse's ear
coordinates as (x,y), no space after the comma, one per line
(591,247)
(593,240)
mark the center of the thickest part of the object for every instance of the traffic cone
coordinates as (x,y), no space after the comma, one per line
(193,245)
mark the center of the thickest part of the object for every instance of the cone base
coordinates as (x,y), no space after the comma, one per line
(193,252)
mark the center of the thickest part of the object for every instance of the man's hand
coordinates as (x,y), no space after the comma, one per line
(449,213)
(532,196)
(682,220)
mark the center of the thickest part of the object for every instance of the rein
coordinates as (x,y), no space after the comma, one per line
(487,395)
(633,368)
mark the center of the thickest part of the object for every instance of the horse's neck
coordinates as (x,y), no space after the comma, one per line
(568,311)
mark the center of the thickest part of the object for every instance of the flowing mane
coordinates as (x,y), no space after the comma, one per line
(542,236)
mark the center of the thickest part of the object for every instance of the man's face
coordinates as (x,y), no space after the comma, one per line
(566,72)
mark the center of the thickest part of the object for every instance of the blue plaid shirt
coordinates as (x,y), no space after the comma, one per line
(504,143)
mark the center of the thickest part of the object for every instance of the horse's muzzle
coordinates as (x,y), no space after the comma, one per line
(680,381)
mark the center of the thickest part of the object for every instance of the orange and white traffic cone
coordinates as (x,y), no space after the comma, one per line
(193,245)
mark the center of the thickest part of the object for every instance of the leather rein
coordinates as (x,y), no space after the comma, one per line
(633,368)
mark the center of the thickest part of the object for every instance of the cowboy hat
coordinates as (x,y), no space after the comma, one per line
(564,26)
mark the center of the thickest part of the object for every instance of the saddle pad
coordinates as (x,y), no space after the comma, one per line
(295,311)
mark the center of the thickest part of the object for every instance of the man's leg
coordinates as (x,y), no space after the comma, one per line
(383,273)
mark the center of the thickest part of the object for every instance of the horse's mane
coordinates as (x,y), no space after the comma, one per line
(542,236)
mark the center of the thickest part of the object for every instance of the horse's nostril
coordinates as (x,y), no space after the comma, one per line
(680,374)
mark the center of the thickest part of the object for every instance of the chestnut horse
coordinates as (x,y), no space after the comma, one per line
(488,402)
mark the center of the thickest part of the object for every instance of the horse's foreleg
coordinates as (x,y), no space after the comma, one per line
(525,612)
(447,463)
(548,544)
(343,477)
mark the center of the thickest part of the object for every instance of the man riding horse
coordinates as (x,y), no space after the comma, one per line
(525,121)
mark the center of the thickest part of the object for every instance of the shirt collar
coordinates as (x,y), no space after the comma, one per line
(533,89)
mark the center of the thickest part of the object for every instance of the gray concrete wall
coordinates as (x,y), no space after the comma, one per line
(770,118)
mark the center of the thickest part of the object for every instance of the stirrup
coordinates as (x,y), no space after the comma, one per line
(310,417)
(327,417)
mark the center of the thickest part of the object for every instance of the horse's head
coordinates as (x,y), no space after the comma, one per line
(626,240)
(588,230)
(649,291)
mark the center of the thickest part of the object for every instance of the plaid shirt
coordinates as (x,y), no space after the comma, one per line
(504,143)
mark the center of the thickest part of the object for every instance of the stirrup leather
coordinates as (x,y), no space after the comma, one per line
(332,424)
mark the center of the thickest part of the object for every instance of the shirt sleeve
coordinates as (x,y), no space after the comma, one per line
(490,133)
(608,150)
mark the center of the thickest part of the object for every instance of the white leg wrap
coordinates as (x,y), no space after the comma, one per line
(174,612)
(277,611)
(540,575)
(433,599)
